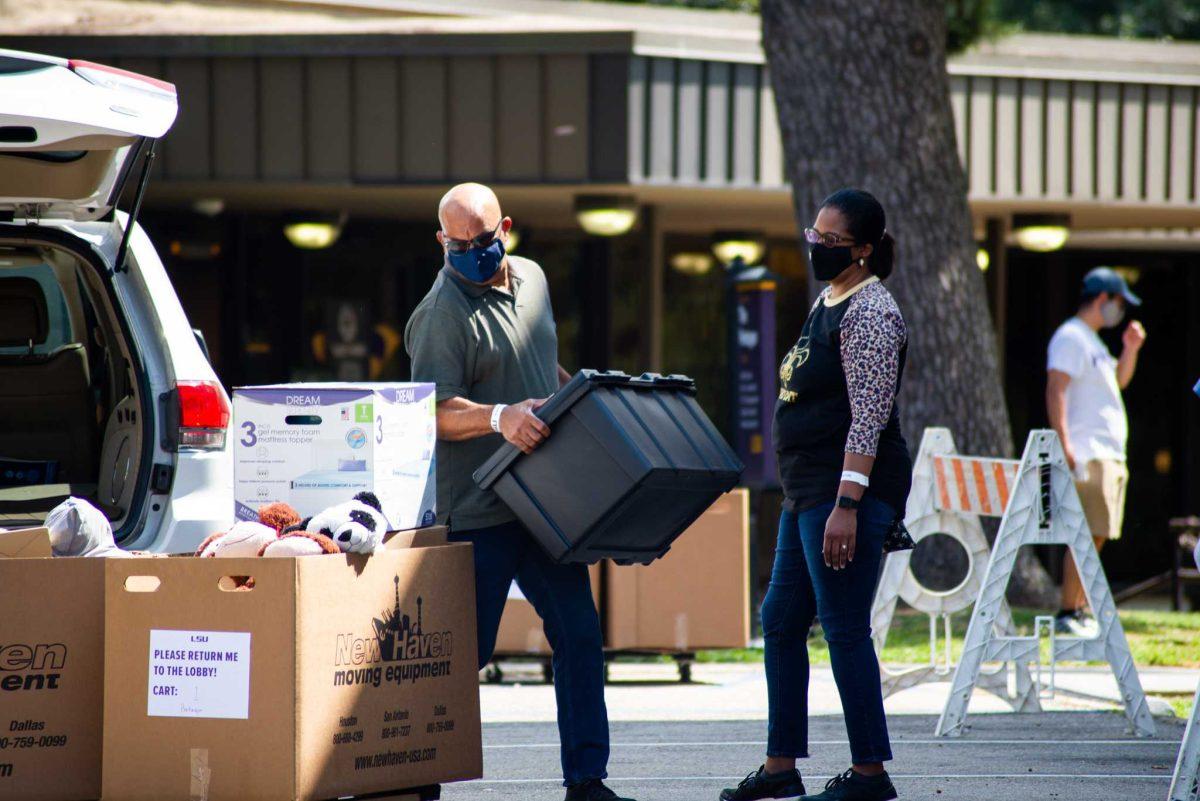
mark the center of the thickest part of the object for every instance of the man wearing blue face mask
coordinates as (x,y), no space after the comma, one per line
(1083,402)
(485,335)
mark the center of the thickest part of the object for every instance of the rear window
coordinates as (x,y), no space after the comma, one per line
(11,65)
(58,321)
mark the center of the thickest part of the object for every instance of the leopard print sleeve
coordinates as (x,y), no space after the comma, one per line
(873,333)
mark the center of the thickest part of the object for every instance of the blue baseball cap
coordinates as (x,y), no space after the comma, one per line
(1106,279)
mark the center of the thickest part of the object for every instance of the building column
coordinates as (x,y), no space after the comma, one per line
(652,301)
(594,282)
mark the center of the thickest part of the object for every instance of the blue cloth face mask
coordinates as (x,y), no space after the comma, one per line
(478,265)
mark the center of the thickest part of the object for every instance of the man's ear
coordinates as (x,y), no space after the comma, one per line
(441,238)
(506,224)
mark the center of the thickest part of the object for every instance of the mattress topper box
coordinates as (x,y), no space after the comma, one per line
(51,669)
(333,676)
(317,445)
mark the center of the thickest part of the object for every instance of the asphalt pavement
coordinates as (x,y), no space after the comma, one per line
(1053,755)
(1078,753)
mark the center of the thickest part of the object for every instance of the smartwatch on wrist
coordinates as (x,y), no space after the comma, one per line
(846,502)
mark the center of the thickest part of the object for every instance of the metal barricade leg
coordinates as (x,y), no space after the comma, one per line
(1185,786)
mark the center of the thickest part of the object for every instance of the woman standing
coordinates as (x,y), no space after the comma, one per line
(846,473)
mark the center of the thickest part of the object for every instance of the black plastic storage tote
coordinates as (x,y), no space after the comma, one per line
(630,463)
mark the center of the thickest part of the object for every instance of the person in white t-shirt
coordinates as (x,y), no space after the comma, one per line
(1083,402)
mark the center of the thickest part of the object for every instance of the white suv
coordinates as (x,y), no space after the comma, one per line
(105,390)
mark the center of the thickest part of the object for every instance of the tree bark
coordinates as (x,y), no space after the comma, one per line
(863,100)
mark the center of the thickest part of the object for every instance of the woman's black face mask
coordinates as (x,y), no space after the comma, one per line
(828,263)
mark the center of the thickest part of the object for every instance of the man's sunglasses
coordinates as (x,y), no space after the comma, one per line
(463,245)
(829,240)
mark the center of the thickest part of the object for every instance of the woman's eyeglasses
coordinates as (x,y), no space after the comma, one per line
(830,240)
(482,241)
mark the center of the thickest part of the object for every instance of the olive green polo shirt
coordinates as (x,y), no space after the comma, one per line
(488,346)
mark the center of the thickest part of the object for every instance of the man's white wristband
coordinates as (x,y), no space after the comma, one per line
(854,477)
(496,411)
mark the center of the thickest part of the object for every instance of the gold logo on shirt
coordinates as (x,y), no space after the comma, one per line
(795,359)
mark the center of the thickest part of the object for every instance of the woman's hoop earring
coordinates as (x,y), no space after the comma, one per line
(862,262)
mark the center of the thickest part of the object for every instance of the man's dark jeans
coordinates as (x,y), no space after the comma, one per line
(803,587)
(562,596)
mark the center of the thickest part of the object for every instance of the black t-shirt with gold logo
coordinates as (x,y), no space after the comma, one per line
(838,386)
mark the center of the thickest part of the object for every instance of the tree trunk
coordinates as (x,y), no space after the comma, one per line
(863,100)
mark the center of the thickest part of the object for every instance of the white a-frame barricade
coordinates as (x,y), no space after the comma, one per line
(1044,509)
(949,494)
(1186,784)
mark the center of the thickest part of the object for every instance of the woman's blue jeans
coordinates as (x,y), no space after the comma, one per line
(802,588)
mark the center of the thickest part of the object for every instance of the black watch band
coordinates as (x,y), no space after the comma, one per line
(846,502)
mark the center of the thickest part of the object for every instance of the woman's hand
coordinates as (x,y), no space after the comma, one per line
(840,532)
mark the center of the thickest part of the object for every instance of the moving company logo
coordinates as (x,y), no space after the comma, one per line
(31,667)
(399,650)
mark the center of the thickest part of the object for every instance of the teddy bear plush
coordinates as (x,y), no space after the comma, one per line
(246,538)
(278,516)
(298,542)
(356,526)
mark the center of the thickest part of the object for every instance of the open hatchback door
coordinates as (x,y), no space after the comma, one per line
(71,132)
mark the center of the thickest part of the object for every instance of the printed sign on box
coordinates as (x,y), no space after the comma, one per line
(199,674)
(317,445)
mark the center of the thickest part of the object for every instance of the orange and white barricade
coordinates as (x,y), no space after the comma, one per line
(1042,508)
(949,494)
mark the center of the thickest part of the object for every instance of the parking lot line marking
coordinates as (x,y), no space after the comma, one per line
(903,776)
(942,741)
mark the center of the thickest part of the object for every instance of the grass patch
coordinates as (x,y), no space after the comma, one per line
(1157,639)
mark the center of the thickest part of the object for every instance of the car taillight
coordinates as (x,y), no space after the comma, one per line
(203,415)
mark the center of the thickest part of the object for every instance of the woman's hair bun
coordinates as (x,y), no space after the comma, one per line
(883,257)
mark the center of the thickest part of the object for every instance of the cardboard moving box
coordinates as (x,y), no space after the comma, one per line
(51,671)
(333,676)
(521,631)
(697,596)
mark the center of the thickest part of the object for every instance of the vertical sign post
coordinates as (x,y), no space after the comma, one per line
(752,371)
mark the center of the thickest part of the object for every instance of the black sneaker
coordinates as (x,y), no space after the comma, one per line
(1076,624)
(592,790)
(761,784)
(853,786)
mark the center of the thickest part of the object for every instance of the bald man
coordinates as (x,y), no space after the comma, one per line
(485,336)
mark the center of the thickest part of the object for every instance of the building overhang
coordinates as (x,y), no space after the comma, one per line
(653,108)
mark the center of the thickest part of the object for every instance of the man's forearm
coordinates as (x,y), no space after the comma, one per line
(1056,410)
(563,377)
(1126,366)
(459,419)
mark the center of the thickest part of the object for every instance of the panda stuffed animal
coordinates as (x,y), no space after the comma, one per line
(356,526)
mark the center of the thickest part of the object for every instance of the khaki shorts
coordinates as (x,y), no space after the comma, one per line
(1102,494)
